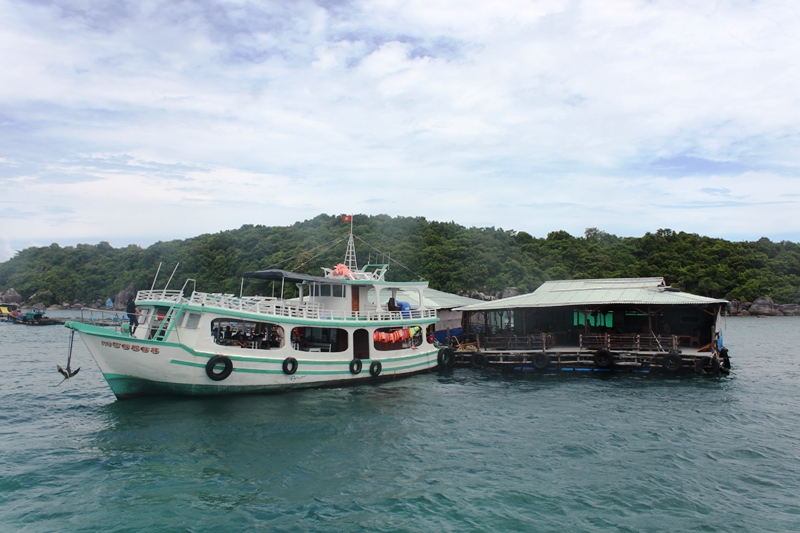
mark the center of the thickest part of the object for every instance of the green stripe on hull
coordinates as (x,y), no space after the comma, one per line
(345,371)
(127,387)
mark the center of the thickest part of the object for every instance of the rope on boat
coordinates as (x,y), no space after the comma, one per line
(395,261)
(322,248)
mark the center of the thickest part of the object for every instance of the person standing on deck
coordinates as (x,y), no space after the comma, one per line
(133,314)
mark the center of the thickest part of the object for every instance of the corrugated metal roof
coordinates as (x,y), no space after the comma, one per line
(436,299)
(589,292)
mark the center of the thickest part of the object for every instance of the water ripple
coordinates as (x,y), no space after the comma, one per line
(459,451)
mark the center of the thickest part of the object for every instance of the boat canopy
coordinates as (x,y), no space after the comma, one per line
(278,275)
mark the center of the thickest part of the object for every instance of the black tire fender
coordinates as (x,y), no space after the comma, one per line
(541,361)
(226,369)
(603,359)
(672,362)
(375,368)
(446,358)
(355,366)
(479,360)
(707,366)
(290,366)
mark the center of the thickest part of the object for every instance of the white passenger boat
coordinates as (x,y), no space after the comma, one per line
(346,327)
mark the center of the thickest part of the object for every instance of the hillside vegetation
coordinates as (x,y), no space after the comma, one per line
(451,257)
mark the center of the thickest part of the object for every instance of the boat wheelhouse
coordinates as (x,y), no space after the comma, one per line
(347,326)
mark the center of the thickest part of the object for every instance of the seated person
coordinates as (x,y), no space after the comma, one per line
(392,305)
(258,339)
(242,341)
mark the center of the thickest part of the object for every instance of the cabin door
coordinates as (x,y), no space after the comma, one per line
(356,300)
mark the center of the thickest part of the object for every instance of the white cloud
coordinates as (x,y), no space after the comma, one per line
(536,116)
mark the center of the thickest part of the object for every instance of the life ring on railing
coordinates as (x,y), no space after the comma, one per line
(227,367)
(603,358)
(541,361)
(355,366)
(375,368)
(289,366)
(446,358)
(479,360)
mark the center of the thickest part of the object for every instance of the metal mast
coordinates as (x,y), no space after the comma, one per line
(350,254)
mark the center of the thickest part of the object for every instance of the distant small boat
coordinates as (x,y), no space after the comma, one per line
(6,309)
(32,317)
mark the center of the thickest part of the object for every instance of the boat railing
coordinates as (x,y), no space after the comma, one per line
(160,296)
(102,317)
(308,310)
(416,314)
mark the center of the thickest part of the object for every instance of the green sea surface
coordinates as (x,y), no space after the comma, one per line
(461,450)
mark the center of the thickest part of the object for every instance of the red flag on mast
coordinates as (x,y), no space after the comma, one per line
(347,218)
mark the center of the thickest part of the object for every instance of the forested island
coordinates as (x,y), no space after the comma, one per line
(451,257)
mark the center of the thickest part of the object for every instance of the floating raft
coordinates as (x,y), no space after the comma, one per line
(602,360)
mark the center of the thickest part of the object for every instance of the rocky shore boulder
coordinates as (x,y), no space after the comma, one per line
(477,295)
(507,293)
(790,309)
(121,299)
(762,307)
(10,297)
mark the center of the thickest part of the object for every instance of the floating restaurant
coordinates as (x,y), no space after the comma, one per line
(633,324)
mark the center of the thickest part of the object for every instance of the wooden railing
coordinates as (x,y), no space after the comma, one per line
(630,342)
(518,342)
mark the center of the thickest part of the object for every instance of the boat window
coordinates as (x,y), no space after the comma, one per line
(247,334)
(320,339)
(404,299)
(192,320)
(385,339)
(327,290)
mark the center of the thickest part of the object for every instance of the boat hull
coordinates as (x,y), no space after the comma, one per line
(137,367)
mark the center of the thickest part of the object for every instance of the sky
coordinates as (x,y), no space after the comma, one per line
(133,122)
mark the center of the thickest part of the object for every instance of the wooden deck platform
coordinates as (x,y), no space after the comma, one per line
(578,359)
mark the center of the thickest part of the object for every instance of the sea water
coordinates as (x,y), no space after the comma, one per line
(462,450)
